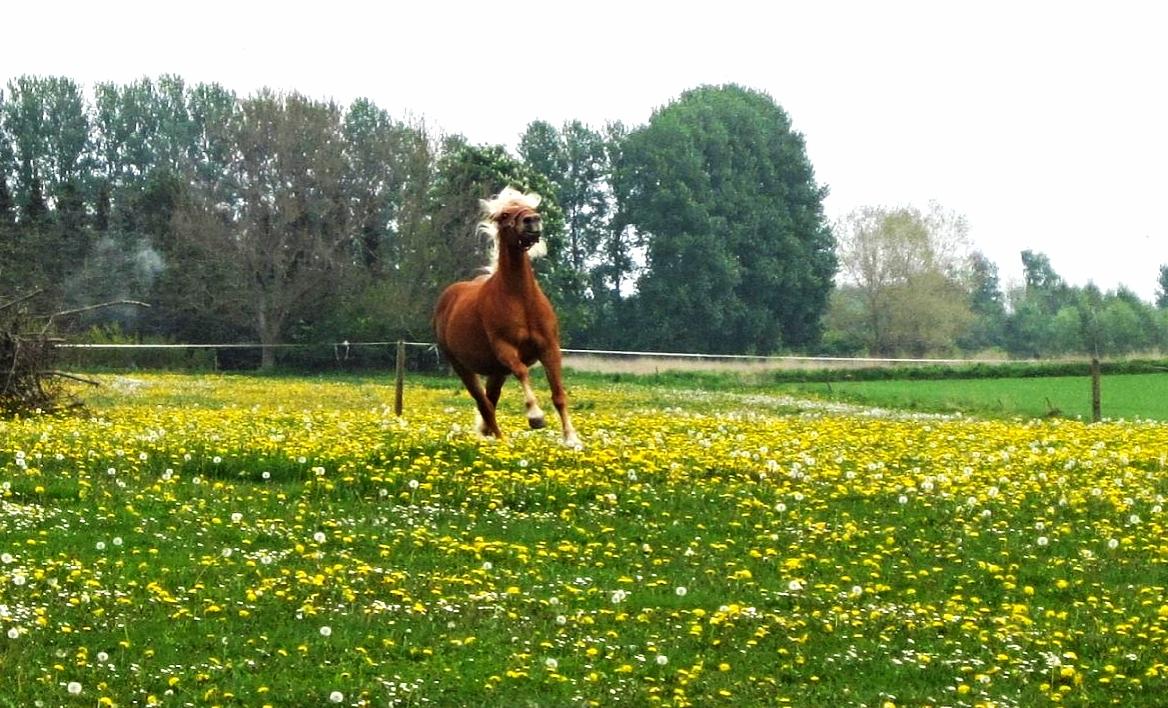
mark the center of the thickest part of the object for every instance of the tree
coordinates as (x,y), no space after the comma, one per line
(908,269)
(378,155)
(1043,284)
(986,303)
(740,258)
(46,124)
(575,160)
(1162,288)
(281,236)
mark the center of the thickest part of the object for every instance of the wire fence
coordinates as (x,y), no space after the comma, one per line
(344,350)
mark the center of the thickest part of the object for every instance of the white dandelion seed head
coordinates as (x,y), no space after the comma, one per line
(551,663)
(1113,544)
(319,537)
(662,660)
(681,591)
(74,688)
(336,697)
(1043,540)
(326,631)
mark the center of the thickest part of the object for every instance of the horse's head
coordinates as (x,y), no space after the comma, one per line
(513,218)
(520,226)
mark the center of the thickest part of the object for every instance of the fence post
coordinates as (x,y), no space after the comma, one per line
(400,370)
(1096,405)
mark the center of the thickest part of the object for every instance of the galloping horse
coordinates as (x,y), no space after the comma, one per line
(501,323)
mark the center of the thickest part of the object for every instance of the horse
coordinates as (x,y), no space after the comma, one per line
(501,322)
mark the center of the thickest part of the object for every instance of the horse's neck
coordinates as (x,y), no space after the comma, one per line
(514,271)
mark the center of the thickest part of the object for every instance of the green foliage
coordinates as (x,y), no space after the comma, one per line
(252,218)
(739,255)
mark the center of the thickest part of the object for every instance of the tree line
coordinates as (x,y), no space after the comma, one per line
(279,218)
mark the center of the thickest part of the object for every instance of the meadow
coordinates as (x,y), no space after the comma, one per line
(234,540)
(1125,396)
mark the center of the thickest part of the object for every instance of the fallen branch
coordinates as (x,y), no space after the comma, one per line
(74,377)
(28,380)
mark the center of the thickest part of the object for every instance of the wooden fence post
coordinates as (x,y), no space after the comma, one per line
(400,368)
(1096,405)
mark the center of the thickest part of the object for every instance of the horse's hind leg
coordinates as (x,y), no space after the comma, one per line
(486,407)
(494,388)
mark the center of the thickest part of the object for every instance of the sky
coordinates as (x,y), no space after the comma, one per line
(1044,123)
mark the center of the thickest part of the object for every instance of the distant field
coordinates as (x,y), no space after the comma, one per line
(1129,397)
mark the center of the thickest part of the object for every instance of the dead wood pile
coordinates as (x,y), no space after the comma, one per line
(29,380)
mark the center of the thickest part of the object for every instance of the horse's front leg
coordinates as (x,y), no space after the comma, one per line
(509,357)
(553,365)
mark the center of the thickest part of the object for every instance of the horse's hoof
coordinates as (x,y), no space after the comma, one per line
(536,423)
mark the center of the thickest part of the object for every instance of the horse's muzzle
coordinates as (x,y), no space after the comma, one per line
(527,239)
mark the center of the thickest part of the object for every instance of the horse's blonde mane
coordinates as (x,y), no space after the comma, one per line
(492,208)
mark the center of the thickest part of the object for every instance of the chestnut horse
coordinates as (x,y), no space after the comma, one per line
(501,323)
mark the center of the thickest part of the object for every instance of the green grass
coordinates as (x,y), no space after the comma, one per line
(237,540)
(1126,396)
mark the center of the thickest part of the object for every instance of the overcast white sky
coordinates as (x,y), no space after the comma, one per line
(1044,123)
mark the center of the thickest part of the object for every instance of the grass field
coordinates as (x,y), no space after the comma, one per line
(219,540)
(1128,396)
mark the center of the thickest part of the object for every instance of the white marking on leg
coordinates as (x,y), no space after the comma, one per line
(534,412)
(480,424)
(571,439)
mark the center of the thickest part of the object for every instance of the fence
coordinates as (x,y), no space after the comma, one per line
(586,359)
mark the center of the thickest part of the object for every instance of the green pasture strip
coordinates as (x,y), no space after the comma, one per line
(236,540)
(1130,396)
